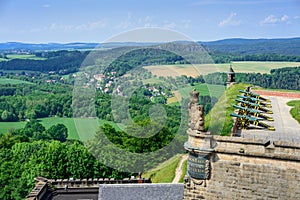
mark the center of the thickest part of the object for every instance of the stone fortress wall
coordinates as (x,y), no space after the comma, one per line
(247,169)
(222,167)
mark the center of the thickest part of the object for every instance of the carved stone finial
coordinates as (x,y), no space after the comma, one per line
(196,112)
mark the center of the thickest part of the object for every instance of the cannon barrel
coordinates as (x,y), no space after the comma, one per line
(255,100)
(255,95)
(254,105)
(256,113)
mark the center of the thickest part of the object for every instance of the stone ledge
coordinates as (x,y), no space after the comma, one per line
(228,139)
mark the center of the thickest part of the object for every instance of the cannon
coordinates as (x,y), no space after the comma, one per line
(254,95)
(244,121)
(255,113)
(255,100)
(254,106)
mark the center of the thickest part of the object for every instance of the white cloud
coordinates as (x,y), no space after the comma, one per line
(169,25)
(284,18)
(126,23)
(146,22)
(186,23)
(90,26)
(272,19)
(64,27)
(230,21)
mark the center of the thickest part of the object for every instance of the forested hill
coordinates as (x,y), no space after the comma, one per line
(10,46)
(238,46)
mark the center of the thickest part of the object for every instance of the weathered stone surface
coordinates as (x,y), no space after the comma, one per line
(254,173)
(241,168)
(196,112)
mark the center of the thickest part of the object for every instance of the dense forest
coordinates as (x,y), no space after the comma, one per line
(34,151)
(64,62)
(238,46)
(26,101)
(284,78)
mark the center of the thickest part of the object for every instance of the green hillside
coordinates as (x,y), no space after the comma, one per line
(164,172)
(295,111)
(13,81)
(222,110)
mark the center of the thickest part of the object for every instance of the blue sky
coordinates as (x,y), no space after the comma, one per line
(43,21)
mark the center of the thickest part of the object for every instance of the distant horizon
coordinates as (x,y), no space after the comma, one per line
(94,42)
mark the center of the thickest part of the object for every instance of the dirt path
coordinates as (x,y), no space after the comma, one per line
(292,95)
(178,171)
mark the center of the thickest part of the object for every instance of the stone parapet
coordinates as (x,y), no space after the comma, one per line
(244,168)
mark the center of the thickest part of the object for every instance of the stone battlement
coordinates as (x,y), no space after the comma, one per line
(43,186)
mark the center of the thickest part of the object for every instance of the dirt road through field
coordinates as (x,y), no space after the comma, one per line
(178,171)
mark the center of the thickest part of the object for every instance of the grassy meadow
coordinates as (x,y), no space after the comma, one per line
(23,56)
(222,110)
(203,89)
(13,81)
(204,69)
(82,129)
(164,172)
(184,169)
(295,111)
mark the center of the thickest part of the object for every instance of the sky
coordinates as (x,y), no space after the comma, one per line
(64,21)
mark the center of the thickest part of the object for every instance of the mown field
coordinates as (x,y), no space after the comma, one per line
(203,89)
(81,129)
(13,81)
(164,172)
(203,69)
(22,56)
(295,111)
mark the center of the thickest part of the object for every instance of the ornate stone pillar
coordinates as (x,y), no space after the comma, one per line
(199,144)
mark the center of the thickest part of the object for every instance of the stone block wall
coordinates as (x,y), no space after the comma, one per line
(249,169)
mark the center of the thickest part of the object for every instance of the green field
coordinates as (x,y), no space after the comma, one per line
(184,169)
(83,126)
(203,89)
(203,69)
(295,111)
(23,56)
(6,126)
(13,81)
(164,172)
(222,110)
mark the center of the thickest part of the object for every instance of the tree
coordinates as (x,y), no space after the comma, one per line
(58,132)
(6,116)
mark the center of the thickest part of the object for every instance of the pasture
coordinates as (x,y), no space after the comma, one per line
(164,172)
(82,129)
(6,126)
(203,89)
(13,81)
(23,56)
(204,69)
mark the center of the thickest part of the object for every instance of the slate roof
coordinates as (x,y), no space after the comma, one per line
(141,191)
(73,194)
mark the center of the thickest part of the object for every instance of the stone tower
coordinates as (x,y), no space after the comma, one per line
(230,77)
(199,144)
